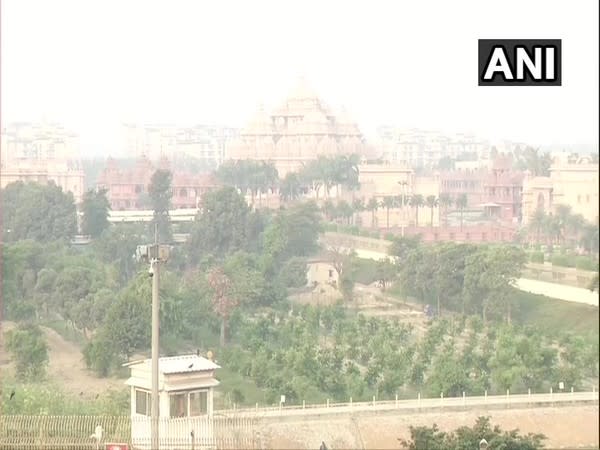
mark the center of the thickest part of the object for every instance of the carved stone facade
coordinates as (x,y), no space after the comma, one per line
(298,131)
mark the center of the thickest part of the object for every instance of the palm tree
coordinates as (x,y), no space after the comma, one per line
(417,201)
(328,209)
(358,205)
(344,210)
(552,228)
(461,204)
(431,201)
(445,201)
(388,202)
(290,186)
(372,206)
(562,216)
(590,238)
(537,223)
(575,227)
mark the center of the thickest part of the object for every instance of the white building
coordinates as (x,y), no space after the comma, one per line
(41,153)
(38,141)
(186,385)
(425,148)
(202,142)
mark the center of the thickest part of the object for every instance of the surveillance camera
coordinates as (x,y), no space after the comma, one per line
(151,271)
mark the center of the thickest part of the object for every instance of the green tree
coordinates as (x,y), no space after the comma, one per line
(39,212)
(461,204)
(293,273)
(29,350)
(221,227)
(534,161)
(127,326)
(386,271)
(291,187)
(448,375)
(467,438)
(417,201)
(372,205)
(358,205)
(489,277)
(432,202)
(402,245)
(95,207)
(445,201)
(223,299)
(117,245)
(537,223)
(590,238)
(388,202)
(161,193)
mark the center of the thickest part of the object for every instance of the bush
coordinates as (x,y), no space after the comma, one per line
(29,350)
(389,237)
(563,261)
(100,357)
(536,257)
(586,263)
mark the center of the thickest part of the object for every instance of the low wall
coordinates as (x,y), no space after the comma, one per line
(559,275)
(565,427)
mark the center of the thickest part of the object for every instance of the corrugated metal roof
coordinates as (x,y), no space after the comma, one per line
(179,364)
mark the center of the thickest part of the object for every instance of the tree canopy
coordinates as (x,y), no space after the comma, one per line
(39,212)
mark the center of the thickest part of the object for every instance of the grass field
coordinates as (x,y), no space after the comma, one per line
(553,315)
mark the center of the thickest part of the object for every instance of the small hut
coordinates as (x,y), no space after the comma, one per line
(185,384)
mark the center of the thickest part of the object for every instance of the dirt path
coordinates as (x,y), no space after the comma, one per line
(67,367)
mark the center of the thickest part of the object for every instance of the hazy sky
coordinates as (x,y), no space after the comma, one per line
(93,64)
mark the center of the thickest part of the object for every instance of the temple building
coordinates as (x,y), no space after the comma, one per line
(128,188)
(495,191)
(298,131)
(41,153)
(571,182)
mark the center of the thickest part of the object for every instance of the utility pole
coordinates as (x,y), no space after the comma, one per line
(155,254)
(155,265)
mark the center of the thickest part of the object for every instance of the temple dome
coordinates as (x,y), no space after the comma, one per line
(302,91)
(260,124)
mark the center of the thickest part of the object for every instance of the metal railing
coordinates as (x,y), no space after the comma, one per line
(81,432)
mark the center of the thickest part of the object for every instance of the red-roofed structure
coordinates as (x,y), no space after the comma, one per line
(128,188)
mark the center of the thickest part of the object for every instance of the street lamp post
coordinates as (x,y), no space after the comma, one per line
(154,254)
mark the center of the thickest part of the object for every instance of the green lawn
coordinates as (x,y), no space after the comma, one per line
(553,315)
(548,314)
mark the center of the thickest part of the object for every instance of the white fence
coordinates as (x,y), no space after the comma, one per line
(466,402)
(77,432)
(232,429)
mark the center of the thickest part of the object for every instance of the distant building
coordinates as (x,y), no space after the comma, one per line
(392,180)
(202,142)
(495,191)
(572,182)
(128,188)
(426,148)
(41,152)
(301,129)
